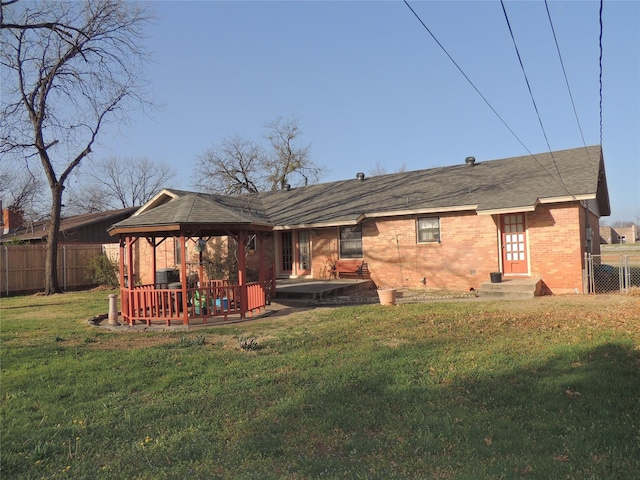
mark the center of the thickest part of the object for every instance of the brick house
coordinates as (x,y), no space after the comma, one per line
(532,216)
(84,228)
(618,235)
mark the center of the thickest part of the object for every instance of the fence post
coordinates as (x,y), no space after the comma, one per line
(626,274)
(64,267)
(6,268)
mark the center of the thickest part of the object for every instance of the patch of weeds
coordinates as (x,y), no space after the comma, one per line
(90,340)
(246,343)
(58,338)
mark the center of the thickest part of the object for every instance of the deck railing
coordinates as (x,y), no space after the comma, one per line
(211,299)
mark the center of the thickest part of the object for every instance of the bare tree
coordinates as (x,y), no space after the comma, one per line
(233,167)
(112,183)
(289,162)
(18,187)
(379,169)
(239,166)
(67,69)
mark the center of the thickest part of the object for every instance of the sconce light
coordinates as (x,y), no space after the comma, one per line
(201,245)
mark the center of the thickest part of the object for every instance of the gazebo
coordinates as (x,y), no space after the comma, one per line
(184,296)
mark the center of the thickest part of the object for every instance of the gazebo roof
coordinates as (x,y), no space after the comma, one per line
(197,214)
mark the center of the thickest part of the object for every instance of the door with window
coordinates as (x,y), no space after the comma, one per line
(295,252)
(514,244)
(303,252)
(286,253)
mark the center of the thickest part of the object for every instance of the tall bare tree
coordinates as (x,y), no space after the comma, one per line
(289,163)
(68,68)
(239,166)
(380,169)
(233,167)
(115,182)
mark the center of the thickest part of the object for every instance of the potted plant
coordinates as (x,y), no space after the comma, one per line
(387,295)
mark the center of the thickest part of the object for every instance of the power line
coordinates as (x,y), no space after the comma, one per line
(506,17)
(600,64)
(465,76)
(487,101)
(566,80)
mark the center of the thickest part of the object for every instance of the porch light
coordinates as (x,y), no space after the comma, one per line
(200,245)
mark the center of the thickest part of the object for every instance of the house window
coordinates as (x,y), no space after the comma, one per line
(351,242)
(428,230)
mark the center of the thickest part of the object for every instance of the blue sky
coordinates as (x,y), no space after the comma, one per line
(370,86)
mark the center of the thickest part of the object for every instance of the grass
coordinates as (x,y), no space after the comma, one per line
(541,389)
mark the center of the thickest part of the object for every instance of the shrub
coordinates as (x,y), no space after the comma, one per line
(102,271)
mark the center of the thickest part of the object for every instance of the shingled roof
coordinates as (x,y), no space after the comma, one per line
(69,226)
(497,186)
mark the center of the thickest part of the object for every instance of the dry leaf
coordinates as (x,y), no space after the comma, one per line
(571,393)
(526,470)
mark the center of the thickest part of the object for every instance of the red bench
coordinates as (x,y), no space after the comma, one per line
(351,269)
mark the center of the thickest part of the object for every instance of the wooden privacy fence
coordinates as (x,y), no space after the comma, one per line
(22,266)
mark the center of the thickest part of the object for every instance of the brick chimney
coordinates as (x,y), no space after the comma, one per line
(11,220)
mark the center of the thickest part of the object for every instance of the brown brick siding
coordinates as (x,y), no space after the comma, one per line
(557,242)
(468,252)
(463,259)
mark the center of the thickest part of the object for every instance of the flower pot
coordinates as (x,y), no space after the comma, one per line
(387,296)
(496,277)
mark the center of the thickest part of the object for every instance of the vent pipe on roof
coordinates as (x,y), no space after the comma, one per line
(287,187)
(360,176)
(470,161)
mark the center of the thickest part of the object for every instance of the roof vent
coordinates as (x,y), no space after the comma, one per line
(287,187)
(470,161)
(360,176)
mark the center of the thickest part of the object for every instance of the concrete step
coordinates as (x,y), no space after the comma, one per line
(512,289)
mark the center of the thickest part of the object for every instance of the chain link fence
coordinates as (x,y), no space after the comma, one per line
(612,272)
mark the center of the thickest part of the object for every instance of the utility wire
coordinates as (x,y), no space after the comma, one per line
(600,64)
(506,17)
(566,80)
(465,76)
(561,183)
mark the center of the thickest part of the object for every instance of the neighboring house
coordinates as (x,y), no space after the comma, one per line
(85,228)
(533,216)
(615,235)
(81,237)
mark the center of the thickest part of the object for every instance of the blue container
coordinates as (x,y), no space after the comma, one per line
(222,304)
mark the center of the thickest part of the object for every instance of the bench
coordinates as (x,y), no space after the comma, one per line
(350,269)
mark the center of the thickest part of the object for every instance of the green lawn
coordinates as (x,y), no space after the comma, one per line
(541,389)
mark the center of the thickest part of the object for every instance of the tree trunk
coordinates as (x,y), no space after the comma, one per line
(51,284)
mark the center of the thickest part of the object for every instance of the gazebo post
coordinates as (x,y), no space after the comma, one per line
(260,239)
(154,260)
(183,271)
(124,298)
(242,268)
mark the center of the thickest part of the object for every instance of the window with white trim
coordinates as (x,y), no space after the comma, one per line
(351,242)
(428,230)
